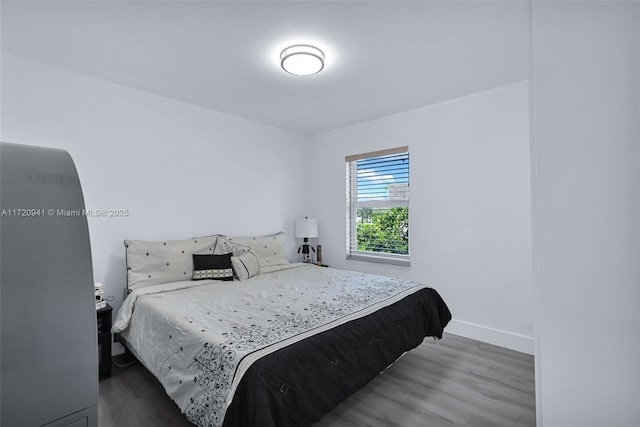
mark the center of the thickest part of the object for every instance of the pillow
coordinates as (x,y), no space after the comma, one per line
(270,249)
(151,263)
(224,245)
(212,266)
(246,265)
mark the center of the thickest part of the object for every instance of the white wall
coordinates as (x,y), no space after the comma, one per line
(184,171)
(470,209)
(181,170)
(587,212)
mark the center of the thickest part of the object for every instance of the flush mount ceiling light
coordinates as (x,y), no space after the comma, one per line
(302,60)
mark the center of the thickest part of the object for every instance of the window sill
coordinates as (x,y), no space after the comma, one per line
(380,259)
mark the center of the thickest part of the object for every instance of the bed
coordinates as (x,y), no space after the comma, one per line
(282,347)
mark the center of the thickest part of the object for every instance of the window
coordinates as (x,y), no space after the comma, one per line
(378,206)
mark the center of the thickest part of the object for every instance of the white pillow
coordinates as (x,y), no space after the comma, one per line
(225,246)
(151,263)
(246,265)
(270,249)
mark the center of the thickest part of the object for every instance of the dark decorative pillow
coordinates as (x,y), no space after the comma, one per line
(211,266)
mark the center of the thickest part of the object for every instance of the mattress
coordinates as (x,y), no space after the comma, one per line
(252,352)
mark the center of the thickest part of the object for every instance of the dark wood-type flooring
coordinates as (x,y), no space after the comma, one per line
(460,382)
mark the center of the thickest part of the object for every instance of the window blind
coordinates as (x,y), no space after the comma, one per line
(378,205)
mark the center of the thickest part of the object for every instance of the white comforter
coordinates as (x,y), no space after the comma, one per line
(199,337)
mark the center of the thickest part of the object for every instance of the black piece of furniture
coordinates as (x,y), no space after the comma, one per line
(104,341)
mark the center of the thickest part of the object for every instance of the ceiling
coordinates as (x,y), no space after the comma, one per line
(381,57)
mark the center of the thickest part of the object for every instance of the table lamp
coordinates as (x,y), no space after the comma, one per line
(306,228)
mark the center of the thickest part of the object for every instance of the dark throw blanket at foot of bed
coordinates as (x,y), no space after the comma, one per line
(298,384)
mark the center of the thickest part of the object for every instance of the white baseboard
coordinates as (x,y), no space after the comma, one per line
(497,337)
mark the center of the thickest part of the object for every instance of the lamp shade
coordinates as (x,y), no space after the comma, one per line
(306,228)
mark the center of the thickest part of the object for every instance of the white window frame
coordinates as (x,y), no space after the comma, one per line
(353,204)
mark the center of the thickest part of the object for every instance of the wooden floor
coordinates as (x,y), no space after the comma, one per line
(460,382)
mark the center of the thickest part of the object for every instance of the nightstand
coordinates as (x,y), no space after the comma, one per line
(104,341)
